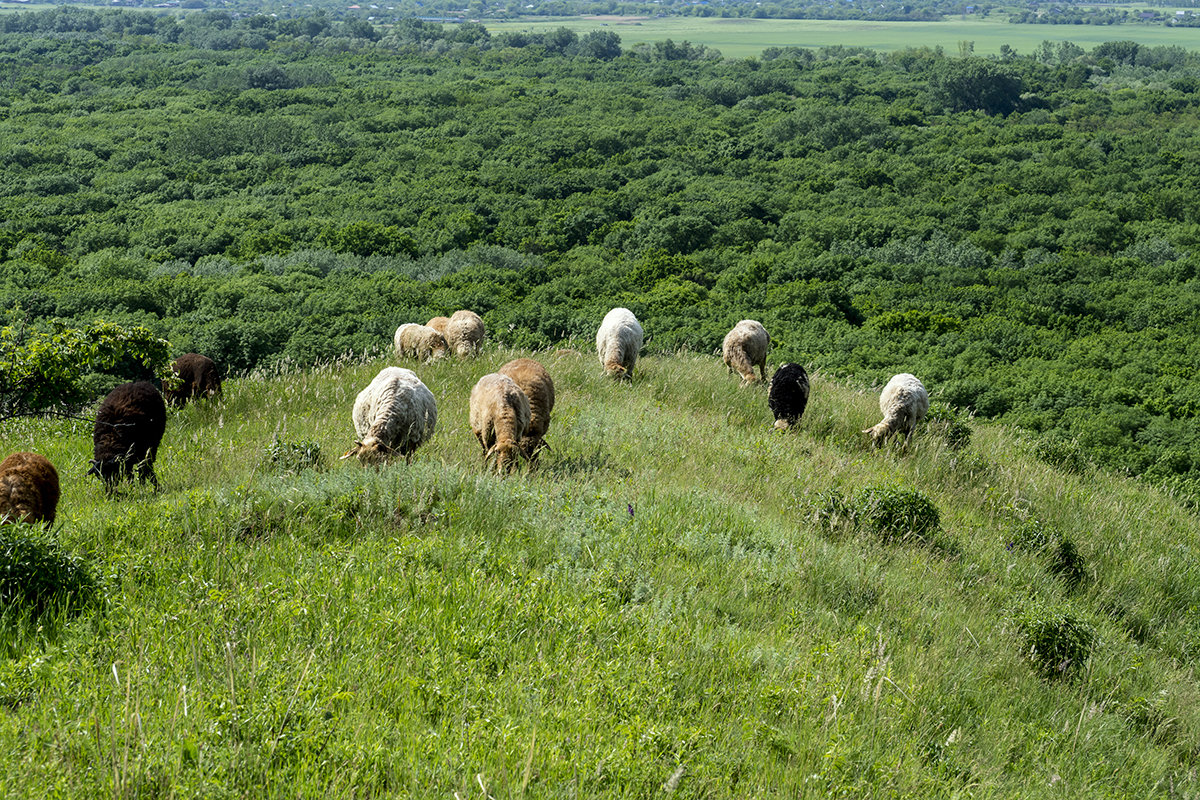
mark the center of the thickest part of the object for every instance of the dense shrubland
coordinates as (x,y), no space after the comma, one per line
(1020,232)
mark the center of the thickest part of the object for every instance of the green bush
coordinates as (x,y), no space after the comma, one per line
(896,513)
(1065,454)
(294,456)
(1055,641)
(1055,548)
(949,423)
(36,572)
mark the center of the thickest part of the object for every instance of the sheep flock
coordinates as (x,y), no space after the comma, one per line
(509,410)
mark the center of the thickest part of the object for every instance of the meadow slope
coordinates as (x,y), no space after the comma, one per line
(675,598)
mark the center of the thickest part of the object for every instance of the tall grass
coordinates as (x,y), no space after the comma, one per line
(661,602)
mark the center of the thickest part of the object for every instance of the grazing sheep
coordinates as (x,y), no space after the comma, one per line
(419,341)
(744,348)
(464,333)
(499,418)
(618,342)
(439,324)
(28,488)
(535,382)
(904,402)
(198,377)
(129,427)
(394,415)
(788,395)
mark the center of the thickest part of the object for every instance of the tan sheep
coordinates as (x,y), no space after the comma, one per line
(439,324)
(904,403)
(464,333)
(538,387)
(28,488)
(499,418)
(745,347)
(420,342)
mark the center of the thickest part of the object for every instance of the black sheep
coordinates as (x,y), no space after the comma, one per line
(129,428)
(788,395)
(198,377)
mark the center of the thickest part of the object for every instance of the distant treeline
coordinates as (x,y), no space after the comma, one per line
(1020,232)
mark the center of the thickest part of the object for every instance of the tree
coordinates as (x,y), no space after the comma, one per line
(973,84)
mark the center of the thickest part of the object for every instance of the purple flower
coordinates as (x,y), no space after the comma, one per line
(630,507)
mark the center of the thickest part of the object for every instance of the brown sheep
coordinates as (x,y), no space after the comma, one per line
(464,333)
(129,428)
(28,489)
(499,418)
(745,347)
(535,381)
(439,324)
(198,377)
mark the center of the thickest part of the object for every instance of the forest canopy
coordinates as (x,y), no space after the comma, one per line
(1021,232)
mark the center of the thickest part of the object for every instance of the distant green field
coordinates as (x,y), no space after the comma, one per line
(741,38)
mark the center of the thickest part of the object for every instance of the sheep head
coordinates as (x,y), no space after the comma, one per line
(879,433)
(507,456)
(369,451)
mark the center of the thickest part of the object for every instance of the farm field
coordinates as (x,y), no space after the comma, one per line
(675,597)
(746,38)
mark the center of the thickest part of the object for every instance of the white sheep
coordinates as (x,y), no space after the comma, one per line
(904,403)
(744,348)
(394,415)
(419,341)
(618,342)
(464,333)
(28,488)
(499,418)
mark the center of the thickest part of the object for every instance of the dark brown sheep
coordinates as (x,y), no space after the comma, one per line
(129,427)
(198,377)
(28,488)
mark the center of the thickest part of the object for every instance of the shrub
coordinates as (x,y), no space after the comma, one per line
(949,423)
(294,456)
(831,510)
(1062,453)
(1057,550)
(897,513)
(36,572)
(1055,641)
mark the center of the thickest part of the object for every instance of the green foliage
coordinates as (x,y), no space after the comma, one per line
(1065,454)
(63,367)
(1055,640)
(951,424)
(294,457)
(36,572)
(897,514)
(1056,549)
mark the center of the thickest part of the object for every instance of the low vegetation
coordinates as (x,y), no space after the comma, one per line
(657,603)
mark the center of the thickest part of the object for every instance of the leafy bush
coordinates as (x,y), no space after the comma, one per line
(36,572)
(949,423)
(897,513)
(1055,641)
(831,510)
(1061,556)
(294,456)
(1065,454)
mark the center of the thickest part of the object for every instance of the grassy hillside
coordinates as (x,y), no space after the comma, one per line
(680,596)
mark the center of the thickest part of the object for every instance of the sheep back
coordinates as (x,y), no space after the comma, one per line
(464,333)
(788,395)
(439,324)
(618,342)
(535,382)
(745,347)
(499,418)
(903,403)
(129,428)
(419,341)
(29,488)
(198,377)
(395,414)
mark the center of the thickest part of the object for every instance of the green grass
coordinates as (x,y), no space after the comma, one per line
(746,38)
(665,592)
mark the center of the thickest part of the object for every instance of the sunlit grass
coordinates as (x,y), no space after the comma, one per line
(658,598)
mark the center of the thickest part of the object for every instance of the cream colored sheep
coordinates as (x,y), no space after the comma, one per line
(904,403)
(420,342)
(439,324)
(618,342)
(744,348)
(394,415)
(499,418)
(28,488)
(464,333)
(538,387)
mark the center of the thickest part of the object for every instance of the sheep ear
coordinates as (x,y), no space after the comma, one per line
(352,451)
(867,430)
